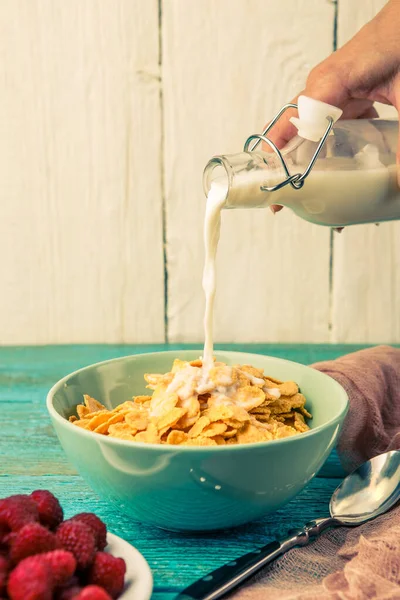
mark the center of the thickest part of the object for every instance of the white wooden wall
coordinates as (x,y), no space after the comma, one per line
(366,260)
(109,110)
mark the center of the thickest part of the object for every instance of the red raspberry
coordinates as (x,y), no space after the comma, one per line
(62,565)
(69,593)
(108,572)
(4,565)
(93,592)
(9,538)
(76,537)
(17,511)
(32,539)
(50,512)
(6,538)
(31,580)
(96,525)
(4,530)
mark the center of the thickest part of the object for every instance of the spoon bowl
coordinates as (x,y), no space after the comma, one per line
(369,491)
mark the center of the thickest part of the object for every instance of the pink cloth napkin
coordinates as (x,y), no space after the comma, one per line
(349,564)
(343,564)
(371,379)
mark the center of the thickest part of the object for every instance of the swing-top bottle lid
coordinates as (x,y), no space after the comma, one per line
(311,122)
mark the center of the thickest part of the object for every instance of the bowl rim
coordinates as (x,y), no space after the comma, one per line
(169,448)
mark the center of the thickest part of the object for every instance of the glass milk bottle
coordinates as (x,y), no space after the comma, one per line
(334,173)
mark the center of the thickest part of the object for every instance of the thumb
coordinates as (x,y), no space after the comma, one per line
(323,85)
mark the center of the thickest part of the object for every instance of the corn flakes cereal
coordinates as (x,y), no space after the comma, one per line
(288,388)
(222,375)
(217,428)
(263,418)
(272,382)
(117,417)
(285,431)
(150,436)
(250,433)
(140,400)
(103,427)
(218,413)
(136,421)
(177,437)
(177,365)
(83,423)
(192,408)
(300,423)
(82,411)
(91,404)
(240,414)
(200,441)
(261,410)
(198,427)
(170,418)
(162,401)
(271,394)
(249,397)
(286,404)
(220,440)
(257,373)
(101,417)
(122,431)
(305,412)
(196,363)
(189,407)
(152,379)
(230,433)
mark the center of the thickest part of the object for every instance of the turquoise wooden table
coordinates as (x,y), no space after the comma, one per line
(31,458)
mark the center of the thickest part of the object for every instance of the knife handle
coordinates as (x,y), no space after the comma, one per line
(224,579)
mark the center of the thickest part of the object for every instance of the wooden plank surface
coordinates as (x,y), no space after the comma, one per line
(31,458)
(80,172)
(366,258)
(227,68)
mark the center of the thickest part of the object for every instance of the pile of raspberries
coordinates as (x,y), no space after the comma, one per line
(43,557)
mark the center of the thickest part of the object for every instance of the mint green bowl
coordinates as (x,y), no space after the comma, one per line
(189,488)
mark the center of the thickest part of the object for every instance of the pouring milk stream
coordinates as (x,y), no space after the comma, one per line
(353,181)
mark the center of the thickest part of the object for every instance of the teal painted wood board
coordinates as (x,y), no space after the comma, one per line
(31,458)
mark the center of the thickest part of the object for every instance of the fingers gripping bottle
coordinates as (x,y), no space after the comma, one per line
(333,173)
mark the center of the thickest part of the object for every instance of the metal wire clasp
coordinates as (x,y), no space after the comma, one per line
(297,180)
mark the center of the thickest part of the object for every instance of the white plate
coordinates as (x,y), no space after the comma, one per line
(138,578)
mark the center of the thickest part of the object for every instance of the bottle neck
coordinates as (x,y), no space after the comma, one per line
(241,176)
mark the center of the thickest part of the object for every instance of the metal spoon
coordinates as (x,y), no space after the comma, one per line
(368,492)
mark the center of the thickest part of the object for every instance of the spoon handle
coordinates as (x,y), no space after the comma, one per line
(229,576)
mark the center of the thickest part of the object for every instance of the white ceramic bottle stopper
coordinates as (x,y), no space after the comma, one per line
(311,122)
